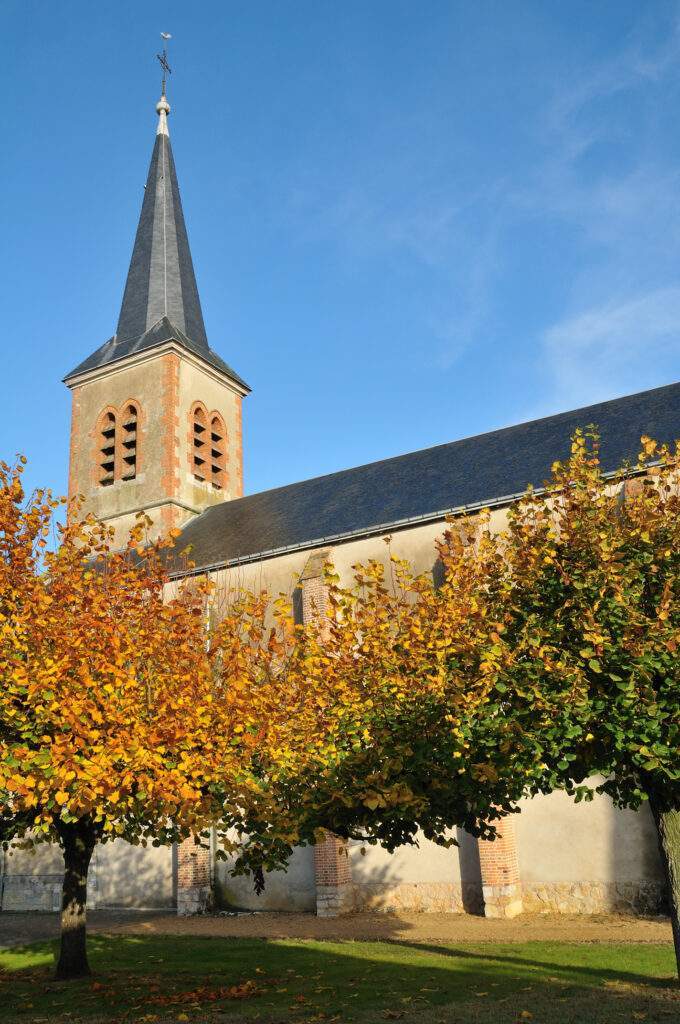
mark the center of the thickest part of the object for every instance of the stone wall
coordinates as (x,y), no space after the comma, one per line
(31,892)
(417,897)
(643,897)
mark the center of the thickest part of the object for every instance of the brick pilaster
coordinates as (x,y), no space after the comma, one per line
(194,889)
(333,875)
(314,598)
(332,871)
(501,885)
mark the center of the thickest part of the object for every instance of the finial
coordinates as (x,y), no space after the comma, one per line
(163,107)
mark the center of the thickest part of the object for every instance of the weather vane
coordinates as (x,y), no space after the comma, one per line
(162,58)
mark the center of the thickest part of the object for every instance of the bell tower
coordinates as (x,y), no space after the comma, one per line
(156,414)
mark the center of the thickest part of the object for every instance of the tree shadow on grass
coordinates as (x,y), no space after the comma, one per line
(150,974)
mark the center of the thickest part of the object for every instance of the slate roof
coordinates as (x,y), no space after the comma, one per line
(382,496)
(160,301)
(158,334)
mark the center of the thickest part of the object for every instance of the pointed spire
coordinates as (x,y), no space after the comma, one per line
(161,279)
(160,300)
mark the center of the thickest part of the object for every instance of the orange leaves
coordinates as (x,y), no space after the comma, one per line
(206,994)
(110,705)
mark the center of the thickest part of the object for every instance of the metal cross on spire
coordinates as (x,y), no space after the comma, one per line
(162,58)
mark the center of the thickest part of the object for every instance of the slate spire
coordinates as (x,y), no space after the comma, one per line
(161,281)
(160,301)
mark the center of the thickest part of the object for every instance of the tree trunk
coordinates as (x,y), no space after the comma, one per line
(668,833)
(78,841)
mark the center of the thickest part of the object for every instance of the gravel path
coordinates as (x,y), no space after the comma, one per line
(425,929)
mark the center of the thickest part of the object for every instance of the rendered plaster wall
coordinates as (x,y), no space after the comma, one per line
(275,575)
(134,876)
(291,890)
(588,857)
(120,875)
(278,575)
(427,878)
(416,544)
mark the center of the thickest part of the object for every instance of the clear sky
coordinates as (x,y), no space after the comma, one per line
(410,222)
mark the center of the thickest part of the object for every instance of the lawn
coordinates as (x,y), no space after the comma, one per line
(181,978)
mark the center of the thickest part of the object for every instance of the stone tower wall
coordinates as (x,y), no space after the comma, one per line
(164,387)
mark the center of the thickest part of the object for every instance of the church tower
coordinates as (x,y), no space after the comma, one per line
(156,414)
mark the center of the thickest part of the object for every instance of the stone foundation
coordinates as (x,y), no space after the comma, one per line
(637,898)
(194,900)
(503,901)
(31,892)
(643,897)
(39,893)
(417,898)
(334,900)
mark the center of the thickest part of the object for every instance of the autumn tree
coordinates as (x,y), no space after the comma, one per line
(547,656)
(383,692)
(585,586)
(113,723)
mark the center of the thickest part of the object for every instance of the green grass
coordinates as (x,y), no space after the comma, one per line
(185,978)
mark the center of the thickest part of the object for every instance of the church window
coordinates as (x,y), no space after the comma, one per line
(118,444)
(218,452)
(200,449)
(129,442)
(107,449)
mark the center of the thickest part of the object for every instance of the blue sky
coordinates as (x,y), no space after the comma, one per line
(410,222)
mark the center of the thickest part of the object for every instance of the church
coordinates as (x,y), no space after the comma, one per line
(157,428)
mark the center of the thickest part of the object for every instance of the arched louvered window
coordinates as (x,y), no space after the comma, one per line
(118,444)
(200,447)
(106,449)
(129,442)
(218,452)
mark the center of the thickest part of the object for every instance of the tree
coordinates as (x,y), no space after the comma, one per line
(585,586)
(384,692)
(112,722)
(548,655)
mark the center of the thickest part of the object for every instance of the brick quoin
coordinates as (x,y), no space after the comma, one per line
(332,868)
(238,483)
(171,518)
(74,454)
(169,424)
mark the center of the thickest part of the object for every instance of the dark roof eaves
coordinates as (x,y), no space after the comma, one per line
(210,357)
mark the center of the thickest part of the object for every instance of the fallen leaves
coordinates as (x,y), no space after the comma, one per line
(207,994)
